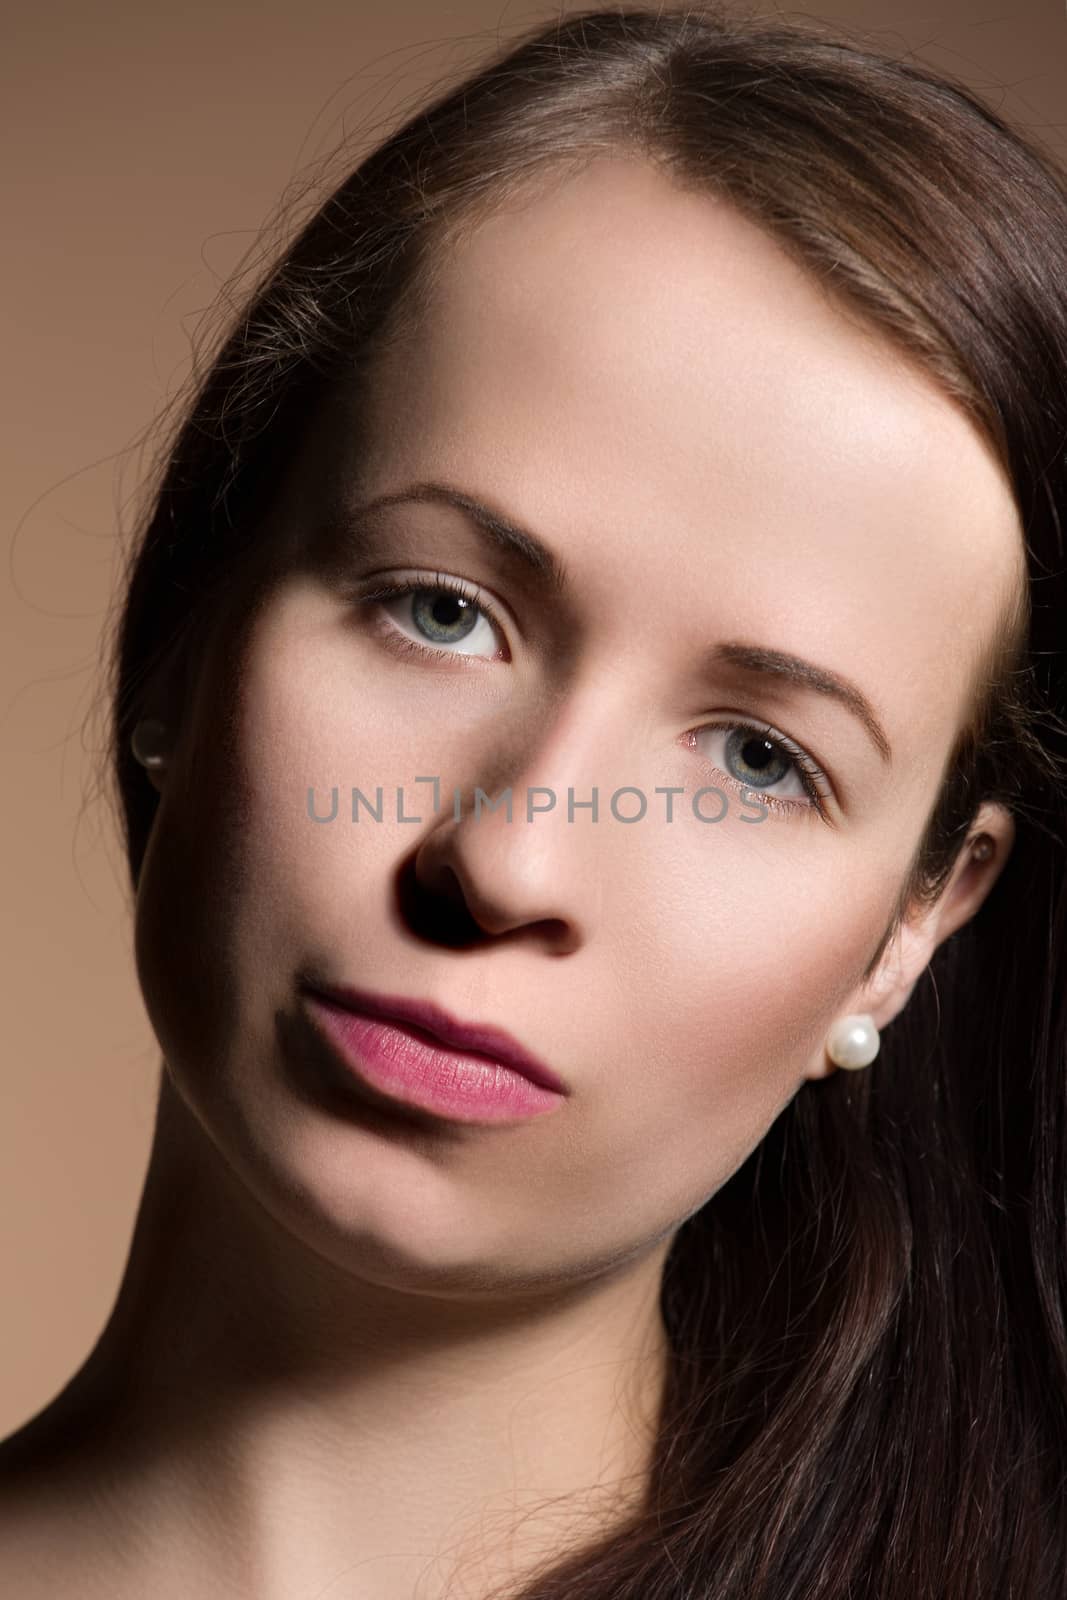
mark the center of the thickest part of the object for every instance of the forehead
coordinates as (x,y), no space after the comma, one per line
(646,378)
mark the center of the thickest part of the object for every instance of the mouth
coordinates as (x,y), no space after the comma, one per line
(425,1016)
(418,1054)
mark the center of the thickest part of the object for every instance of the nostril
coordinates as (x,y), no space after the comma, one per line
(440,912)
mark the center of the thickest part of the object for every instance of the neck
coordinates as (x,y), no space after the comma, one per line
(257,1411)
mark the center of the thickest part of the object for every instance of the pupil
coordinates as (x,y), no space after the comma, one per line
(764,753)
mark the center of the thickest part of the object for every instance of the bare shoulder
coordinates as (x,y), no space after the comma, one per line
(52,1541)
(39,1553)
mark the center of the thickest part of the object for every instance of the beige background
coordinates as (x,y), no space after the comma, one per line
(145,149)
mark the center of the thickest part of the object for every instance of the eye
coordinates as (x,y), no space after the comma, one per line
(449,618)
(445,617)
(766,764)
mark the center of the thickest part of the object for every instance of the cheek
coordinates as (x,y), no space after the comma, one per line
(727,1011)
(214,921)
(239,883)
(308,734)
(323,708)
(187,900)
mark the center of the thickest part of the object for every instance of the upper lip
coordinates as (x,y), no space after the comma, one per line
(482,1037)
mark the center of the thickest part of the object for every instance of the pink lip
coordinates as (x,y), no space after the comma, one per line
(405,1064)
(415,1052)
(481,1037)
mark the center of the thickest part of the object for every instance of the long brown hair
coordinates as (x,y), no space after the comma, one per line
(868,1394)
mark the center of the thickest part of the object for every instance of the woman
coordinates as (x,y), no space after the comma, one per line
(654,1188)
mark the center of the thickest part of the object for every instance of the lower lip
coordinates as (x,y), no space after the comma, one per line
(405,1065)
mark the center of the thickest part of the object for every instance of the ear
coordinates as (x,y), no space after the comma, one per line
(978,866)
(164,700)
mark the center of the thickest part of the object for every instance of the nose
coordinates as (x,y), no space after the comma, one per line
(541,874)
(486,876)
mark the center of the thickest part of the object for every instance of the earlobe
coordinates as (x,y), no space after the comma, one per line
(853,1041)
(152,738)
(853,1038)
(150,744)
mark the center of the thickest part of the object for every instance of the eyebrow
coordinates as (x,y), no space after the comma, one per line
(509,536)
(758,660)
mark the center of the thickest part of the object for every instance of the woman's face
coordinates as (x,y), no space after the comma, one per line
(716,457)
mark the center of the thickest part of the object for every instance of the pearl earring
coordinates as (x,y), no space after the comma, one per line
(853,1042)
(148,742)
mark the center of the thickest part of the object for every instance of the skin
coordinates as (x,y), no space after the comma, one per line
(342,1359)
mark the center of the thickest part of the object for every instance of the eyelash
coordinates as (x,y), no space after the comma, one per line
(811,775)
